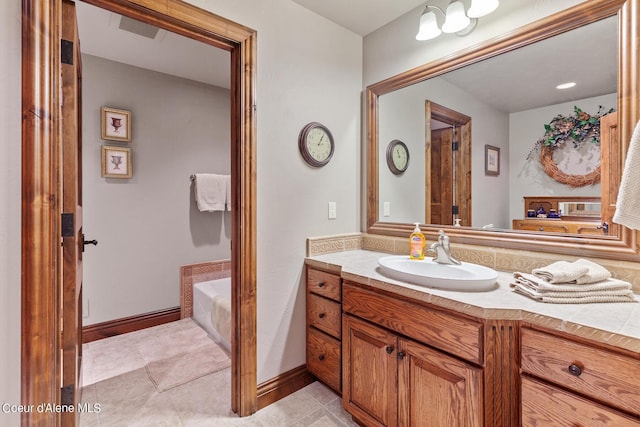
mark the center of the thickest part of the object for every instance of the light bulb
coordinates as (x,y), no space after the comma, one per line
(456,19)
(482,7)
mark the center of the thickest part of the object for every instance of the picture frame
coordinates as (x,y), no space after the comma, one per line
(116,124)
(116,162)
(491,160)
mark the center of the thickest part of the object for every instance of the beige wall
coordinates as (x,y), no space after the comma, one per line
(149,225)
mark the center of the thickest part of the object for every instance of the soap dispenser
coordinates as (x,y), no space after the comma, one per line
(417,243)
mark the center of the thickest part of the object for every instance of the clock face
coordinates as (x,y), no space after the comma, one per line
(319,144)
(316,144)
(400,157)
(397,157)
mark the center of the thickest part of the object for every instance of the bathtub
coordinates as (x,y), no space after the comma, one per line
(212,309)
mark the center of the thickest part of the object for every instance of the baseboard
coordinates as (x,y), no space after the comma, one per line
(283,385)
(129,324)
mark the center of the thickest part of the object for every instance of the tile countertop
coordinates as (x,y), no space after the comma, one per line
(616,324)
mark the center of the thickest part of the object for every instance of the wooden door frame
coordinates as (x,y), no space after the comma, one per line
(446,115)
(41,162)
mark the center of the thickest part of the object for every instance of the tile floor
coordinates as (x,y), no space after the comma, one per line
(116,379)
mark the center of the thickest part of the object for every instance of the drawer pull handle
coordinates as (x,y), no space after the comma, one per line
(389,349)
(321,357)
(321,285)
(321,315)
(575,370)
(400,355)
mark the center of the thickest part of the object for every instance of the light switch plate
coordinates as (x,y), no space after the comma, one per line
(386,210)
(332,210)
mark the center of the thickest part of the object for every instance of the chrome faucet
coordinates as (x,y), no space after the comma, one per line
(443,250)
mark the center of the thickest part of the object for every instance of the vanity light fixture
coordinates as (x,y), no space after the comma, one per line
(456,20)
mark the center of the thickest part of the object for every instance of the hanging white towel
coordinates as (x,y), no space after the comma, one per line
(210,191)
(628,203)
(228,192)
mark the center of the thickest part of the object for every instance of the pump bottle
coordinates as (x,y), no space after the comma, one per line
(417,243)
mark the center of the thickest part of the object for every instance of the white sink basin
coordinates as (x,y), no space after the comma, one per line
(426,272)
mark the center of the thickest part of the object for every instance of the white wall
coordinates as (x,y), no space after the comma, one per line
(148,226)
(10,197)
(393,48)
(309,69)
(527,177)
(401,116)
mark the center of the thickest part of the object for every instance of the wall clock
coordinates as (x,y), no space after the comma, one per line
(397,157)
(316,144)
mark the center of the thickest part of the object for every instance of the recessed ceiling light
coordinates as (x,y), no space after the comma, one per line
(566,85)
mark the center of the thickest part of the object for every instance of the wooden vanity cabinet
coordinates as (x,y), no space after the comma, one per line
(567,381)
(406,363)
(324,326)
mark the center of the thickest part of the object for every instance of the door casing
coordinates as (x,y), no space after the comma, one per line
(41,190)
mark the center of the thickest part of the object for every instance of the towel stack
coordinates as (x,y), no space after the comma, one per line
(577,282)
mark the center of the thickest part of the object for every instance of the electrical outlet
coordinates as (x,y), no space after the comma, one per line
(85,309)
(332,210)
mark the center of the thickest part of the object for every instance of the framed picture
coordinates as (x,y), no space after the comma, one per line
(491,160)
(116,162)
(116,124)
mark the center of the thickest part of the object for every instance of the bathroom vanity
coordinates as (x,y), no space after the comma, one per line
(411,355)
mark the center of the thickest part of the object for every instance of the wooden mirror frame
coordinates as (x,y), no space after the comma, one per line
(622,246)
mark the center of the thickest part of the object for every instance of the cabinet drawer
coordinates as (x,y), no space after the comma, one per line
(595,372)
(323,358)
(453,334)
(544,405)
(322,283)
(324,314)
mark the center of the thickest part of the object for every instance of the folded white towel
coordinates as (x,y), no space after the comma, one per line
(576,297)
(540,285)
(560,272)
(579,272)
(595,273)
(210,192)
(628,202)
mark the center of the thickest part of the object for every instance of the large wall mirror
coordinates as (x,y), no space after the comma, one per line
(456,102)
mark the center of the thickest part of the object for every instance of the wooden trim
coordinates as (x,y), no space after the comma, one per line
(623,246)
(40,373)
(283,385)
(124,325)
(41,143)
(244,220)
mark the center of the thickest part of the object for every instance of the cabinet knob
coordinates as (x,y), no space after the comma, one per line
(389,349)
(401,355)
(321,315)
(321,285)
(575,370)
(321,357)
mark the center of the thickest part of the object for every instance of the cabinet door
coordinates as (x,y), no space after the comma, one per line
(437,390)
(369,372)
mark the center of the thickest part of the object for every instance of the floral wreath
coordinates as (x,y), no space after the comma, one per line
(577,128)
